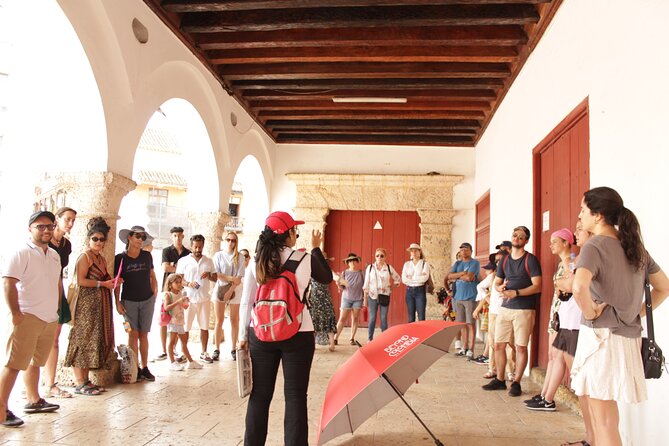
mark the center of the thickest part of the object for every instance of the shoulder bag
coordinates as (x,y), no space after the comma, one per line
(651,353)
(165,316)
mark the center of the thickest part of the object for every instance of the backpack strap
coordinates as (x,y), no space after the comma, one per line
(291,264)
(527,268)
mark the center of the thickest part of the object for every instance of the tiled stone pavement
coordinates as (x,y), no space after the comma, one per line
(201,407)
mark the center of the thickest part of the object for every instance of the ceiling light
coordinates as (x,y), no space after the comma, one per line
(368,100)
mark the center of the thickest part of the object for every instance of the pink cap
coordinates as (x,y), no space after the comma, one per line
(280,222)
(565,234)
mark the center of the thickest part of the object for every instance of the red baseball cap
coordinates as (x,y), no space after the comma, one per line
(280,222)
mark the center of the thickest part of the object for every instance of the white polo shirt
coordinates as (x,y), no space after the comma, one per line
(38,275)
(192,271)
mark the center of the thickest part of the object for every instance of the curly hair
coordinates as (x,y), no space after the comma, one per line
(268,254)
(97,225)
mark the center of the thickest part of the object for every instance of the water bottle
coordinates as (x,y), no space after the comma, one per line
(572,262)
(126,324)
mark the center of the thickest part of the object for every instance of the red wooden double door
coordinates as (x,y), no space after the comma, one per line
(362,232)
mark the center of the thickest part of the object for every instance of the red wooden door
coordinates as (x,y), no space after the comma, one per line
(561,171)
(353,231)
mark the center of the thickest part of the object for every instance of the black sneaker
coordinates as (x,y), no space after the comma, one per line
(515,389)
(534,399)
(461,354)
(147,375)
(12,420)
(41,406)
(140,377)
(216,355)
(234,355)
(494,384)
(542,405)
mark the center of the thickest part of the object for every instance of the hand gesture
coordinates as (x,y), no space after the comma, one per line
(316,238)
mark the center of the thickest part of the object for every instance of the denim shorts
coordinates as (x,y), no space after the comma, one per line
(348,304)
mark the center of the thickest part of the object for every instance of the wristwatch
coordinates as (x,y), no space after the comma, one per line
(517,293)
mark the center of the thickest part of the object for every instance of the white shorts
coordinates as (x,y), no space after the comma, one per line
(202,310)
(174,328)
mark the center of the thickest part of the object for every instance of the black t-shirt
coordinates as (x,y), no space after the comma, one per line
(136,275)
(64,249)
(516,272)
(171,255)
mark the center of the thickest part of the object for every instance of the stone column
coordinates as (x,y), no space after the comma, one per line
(314,218)
(93,194)
(212,226)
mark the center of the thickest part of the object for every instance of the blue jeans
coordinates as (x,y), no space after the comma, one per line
(372,305)
(295,355)
(416,302)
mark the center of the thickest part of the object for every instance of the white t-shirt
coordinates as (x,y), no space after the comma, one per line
(192,271)
(38,275)
(302,277)
(495,297)
(223,264)
(570,315)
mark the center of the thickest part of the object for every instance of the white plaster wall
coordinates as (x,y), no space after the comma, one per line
(370,159)
(612,51)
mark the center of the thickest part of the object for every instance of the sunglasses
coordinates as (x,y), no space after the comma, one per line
(98,239)
(231,240)
(42,228)
(140,236)
(380,255)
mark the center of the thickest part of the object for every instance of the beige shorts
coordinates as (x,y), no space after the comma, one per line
(30,342)
(201,310)
(514,325)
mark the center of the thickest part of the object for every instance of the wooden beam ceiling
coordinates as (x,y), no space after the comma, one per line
(285,60)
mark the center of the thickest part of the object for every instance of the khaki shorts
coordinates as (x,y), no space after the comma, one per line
(514,325)
(30,342)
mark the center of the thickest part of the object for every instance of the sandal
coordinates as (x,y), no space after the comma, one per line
(352,341)
(56,392)
(576,443)
(90,385)
(335,342)
(84,389)
(490,374)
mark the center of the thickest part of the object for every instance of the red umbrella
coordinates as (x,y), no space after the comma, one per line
(381,371)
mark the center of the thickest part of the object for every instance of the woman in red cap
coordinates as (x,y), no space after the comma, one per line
(273,251)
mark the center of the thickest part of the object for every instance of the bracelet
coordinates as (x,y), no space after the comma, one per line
(98,285)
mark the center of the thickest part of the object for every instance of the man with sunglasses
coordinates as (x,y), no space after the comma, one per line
(32,286)
(519,282)
(136,300)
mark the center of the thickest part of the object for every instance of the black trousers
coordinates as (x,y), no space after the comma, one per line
(296,355)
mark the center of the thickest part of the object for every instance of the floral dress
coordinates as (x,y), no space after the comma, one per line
(91,339)
(322,312)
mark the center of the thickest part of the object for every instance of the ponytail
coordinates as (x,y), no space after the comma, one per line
(629,232)
(268,254)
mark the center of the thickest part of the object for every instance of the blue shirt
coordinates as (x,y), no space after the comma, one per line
(466,290)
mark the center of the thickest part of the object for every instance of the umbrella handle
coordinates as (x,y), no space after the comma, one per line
(397,391)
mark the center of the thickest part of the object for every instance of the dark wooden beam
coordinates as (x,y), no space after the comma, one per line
(390,83)
(382,36)
(182,6)
(264,115)
(417,140)
(423,95)
(378,124)
(322,18)
(282,131)
(350,54)
(414,105)
(363,70)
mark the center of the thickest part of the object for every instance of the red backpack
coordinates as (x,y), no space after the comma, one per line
(278,305)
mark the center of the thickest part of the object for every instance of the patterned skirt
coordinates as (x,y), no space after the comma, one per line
(322,309)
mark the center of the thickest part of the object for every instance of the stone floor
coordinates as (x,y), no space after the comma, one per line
(201,407)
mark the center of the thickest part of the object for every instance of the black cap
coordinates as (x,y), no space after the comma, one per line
(504,243)
(466,245)
(39,214)
(490,265)
(176,229)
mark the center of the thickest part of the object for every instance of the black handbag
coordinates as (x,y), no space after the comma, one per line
(384,299)
(651,353)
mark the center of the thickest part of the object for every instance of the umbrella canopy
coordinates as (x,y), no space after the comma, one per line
(364,383)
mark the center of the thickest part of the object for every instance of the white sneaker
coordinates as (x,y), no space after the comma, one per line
(176,367)
(458,345)
(194,365)
(469,354)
